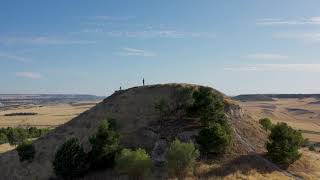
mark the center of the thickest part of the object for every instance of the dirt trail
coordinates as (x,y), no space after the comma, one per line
(252,151)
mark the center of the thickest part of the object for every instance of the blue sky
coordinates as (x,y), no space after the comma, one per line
(94,47)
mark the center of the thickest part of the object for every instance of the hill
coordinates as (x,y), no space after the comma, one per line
(138,124)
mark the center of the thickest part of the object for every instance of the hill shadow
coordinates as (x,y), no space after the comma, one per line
(243,164)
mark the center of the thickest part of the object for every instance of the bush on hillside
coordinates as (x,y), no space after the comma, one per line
(266,123)
(105,145)
(214,139)
(26,151)
(181,158)
(208,105)
(70,160)
(216,134)
(16,135)
(284,143)
(34,132)
(135,163)
(3,138)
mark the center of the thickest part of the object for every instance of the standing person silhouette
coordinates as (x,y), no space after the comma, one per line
(143,81)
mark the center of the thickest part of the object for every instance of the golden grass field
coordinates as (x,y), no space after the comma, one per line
(48,115)
(302,114)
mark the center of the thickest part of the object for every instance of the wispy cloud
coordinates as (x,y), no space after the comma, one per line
(13,57)
(30,75)
(44,40)
(136,52)
(151,33)
(266,56)
(122,26)
(282,22)
(277,67)
(111,18)
(306,36)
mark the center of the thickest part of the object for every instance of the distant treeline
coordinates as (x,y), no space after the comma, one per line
(15,136)
(22,114)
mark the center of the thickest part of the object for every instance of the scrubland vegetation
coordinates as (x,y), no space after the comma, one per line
(70,160)
(26,151)
(15,136)
(135,163)
(21,114)
(283,142)
(181,158)
(22,138)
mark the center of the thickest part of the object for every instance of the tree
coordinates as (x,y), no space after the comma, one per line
(16,135)
(266,123)
(70,159)
(105,145)
(214,139)
(284,143)
(136,163)
(26,151)
(208,105)
(3,138)
(181,158)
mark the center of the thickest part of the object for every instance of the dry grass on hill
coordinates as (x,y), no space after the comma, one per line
(308,166)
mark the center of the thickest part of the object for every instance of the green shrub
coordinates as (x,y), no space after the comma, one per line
(266,123)
(216,135)
(284,143)
(26,151)
(70,159)
(105,145)
(208,105)
(3,138)
(16,135)
(181,158)
(135,163)
(214,139)
(34,132)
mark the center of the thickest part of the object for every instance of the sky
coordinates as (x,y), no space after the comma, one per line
(94,47)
